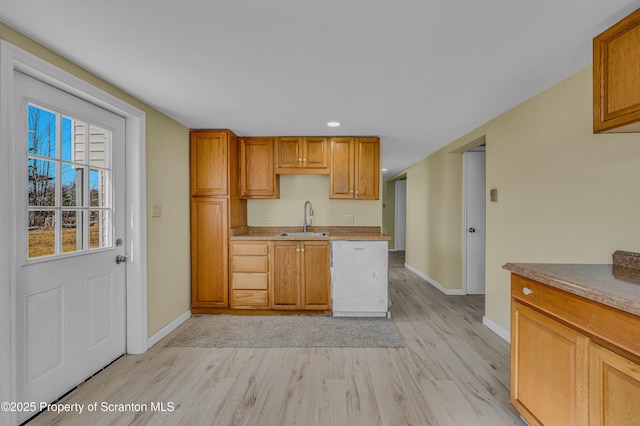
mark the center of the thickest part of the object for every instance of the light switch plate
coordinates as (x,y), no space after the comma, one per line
(348,219)
(493,194)
(265,220)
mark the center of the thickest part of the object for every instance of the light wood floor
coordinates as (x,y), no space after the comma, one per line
(453,371)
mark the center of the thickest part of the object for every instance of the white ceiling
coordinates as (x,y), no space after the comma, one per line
(417,73)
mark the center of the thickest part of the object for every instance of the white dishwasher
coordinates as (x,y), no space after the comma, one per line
(360,278)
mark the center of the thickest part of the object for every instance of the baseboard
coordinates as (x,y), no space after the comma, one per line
(447,291)
(491,325)
(168,329)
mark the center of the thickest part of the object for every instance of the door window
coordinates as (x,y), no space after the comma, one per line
(69,184)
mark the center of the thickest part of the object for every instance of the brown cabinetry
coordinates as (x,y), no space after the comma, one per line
(257,174)
(573,361)
(616,77)
(215,208)
(355,168)
(301,275)
(302,155)
(250,274)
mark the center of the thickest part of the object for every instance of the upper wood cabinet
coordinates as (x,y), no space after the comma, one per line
(302,155)
(257,175)
(355,168)
(210,162)
(616,77)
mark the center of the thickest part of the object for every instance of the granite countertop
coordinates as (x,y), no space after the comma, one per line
(610,284)
(354,233)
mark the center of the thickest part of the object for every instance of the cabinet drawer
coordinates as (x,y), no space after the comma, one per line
(250,264)
(250,299)
(250,280)
(261,249)
(595,319)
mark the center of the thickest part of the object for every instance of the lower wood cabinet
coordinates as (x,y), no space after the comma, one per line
(549,370)
(573,361)
(301,275)
(249,274)
(614,388)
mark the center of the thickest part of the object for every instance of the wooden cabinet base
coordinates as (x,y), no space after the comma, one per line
(222,311)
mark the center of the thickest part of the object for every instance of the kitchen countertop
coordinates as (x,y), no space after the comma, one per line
(612,285)
(353,233)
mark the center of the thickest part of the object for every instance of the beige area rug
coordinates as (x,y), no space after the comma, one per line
(237,331)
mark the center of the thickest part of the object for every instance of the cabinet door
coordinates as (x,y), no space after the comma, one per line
(341,168)
(549,369)
(289,152)
(316,275)
(315,153)
(286,275)
(614,388)
(209,253)
(367,168)
(209,157)
(616,80)
(257,174)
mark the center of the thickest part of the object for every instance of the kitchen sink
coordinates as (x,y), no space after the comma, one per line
(304,234)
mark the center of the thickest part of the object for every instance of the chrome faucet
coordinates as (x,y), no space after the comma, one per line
(305,223)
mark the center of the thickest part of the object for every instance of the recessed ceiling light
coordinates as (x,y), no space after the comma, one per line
(384,170)
(333,124)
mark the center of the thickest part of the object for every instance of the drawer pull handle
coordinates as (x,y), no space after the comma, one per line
(527,291)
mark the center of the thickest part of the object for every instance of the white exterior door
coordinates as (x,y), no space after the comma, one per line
(69,201)
(475,231)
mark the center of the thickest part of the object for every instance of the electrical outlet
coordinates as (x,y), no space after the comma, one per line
(157,210)
(348,219)
(265,220)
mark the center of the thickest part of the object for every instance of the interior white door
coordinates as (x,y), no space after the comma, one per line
(475,231)
(69,201)
(400,233)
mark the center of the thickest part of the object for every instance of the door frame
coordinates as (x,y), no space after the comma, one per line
(465,225)
(400,216)
(13,58)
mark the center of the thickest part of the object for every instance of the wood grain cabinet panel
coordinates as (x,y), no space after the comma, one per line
(250,274)
(616,77)
(301,275)
(614,393)
(302,155)
(573,361)
(209,256)
(355,168)
(209,163)
(216,207)
(549,386)
(257,174)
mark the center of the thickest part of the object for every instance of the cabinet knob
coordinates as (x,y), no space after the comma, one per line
(351,191)
(357,192)
(299,159)
(302,250)
(527,291)
(304,159)
(297,250)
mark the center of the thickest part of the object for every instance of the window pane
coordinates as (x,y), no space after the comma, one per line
(99,226)
(72,189)
(99,140)
(41,240)
(42,132)
(66,139)
(71,231)
(98,184)
(42,182)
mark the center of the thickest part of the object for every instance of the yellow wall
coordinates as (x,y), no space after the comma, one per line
(296,189)
(565,195)
(167,185)
(389,211)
